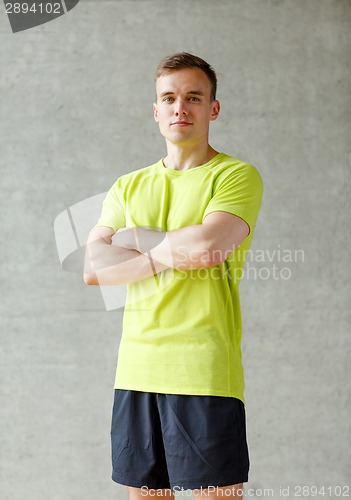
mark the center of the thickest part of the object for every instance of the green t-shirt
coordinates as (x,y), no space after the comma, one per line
(182,330)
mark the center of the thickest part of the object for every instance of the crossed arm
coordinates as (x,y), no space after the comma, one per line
(129,255)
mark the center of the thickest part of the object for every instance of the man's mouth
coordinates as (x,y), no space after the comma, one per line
(181,123)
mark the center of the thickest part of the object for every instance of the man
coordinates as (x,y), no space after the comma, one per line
(177,233)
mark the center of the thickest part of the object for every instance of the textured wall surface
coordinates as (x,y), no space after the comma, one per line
(76,112)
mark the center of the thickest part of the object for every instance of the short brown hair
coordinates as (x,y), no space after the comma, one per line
(181,60)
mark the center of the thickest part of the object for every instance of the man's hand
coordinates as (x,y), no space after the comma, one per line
(138,238)
(125,240)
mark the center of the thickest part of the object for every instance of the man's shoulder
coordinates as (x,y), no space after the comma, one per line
(135,175)
(230,165)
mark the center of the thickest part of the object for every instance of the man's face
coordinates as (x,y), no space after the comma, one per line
(184,108)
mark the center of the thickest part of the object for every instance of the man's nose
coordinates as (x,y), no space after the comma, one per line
(180,107)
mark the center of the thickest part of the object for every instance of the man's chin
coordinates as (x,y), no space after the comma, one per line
(179,138)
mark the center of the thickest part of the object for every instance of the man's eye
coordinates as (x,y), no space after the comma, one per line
(165,99)
(196,98)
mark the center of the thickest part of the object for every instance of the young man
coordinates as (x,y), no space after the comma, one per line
(177,233)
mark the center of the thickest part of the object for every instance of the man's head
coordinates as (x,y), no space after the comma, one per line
(183,60)
(185,99)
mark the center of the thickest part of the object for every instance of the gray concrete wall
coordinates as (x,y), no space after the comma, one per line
(76,107)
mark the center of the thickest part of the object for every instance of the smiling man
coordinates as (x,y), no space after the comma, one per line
(177,232)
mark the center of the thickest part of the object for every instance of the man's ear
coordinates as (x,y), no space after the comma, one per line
(155,112)
(215,109)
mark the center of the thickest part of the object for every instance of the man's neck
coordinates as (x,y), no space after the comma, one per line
(182,158)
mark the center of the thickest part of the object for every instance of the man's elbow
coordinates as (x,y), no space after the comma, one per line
(218,255)
(90,279)
(210,262)
(89,268)
(200,262)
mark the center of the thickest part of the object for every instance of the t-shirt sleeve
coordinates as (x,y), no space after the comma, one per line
(113,210)
(240,193)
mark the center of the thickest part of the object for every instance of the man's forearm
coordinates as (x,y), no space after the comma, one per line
(112,265)
(184,248)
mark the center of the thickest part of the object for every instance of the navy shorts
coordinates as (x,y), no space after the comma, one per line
(178,441)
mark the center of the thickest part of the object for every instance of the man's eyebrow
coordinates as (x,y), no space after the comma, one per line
(196,92)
